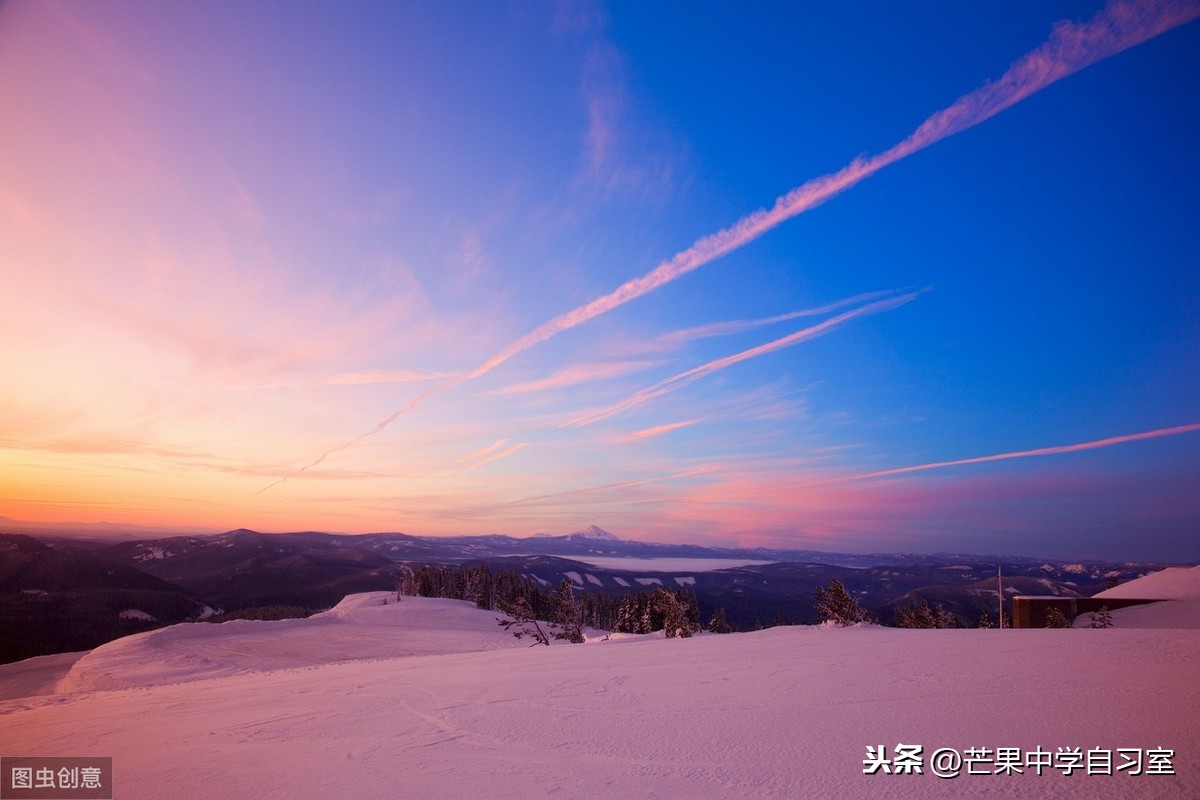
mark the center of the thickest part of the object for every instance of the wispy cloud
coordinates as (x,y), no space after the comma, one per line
(20,212)
(1041,451)
(495,457)
(578,373)
(241,201)
(608,487)
(362,378)
(740,326)
(696,373)
(657,430)
(1071,47)
(483,451)
(609,166)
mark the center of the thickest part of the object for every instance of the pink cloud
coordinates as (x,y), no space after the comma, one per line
(1041,451)
(491,448)
(1071,47)
(621,486)
(366,377)
(578,373)
(740,326)
(690,376)
(658,430)
(496,457)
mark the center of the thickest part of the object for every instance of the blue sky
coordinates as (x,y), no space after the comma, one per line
(330,266)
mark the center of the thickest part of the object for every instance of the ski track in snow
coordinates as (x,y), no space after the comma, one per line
(781,713)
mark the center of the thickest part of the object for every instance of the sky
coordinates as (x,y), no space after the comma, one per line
(852,277)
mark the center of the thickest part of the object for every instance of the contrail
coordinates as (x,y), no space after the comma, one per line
(1071,47)
(657,430)
(502,454)
(483,451)
(742,325)
(696,373)
(1041,451)
(622,485)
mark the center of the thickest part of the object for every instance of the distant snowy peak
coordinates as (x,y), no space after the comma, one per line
(593,532)
(590,532)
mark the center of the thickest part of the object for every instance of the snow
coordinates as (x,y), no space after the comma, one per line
(624,564)
(34,676)
(593,579)
(1177,589)
(594,532)
(360,627)
(649,581)
(136,613)
(1163,614)
(1172,583)
(621,581)
(574,577)
(687,580)
(429,698)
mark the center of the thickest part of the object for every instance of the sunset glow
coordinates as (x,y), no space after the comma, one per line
(850,278)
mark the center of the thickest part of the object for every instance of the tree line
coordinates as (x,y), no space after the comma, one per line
(525,602)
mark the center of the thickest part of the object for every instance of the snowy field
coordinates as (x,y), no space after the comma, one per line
(428,698)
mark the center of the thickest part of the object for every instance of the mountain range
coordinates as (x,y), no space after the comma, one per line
(60,593)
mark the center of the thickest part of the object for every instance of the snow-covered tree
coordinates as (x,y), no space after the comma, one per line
(1102,618)
(520,621)
(1055,618)
(834,604)
(718,623)
(923,616)
(675,614)
(566,615)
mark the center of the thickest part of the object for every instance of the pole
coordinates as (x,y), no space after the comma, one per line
(1000,594)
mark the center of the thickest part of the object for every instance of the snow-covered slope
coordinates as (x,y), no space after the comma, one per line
(1172,583)
(1176,588)
(782,713)
(362,626)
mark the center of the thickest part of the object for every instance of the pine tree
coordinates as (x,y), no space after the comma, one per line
(645,623)
(567,615)
(674,613)
(626,614)
(942,618)
(836,605)
(718,623)
(925,617)
(984,620)
(1102,618)
(521,622)
(1055,618)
